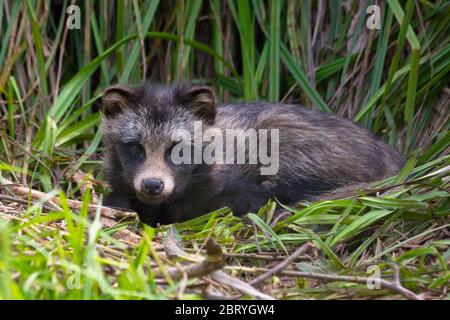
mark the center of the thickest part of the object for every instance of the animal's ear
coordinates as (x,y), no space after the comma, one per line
(201,101)
(116,99)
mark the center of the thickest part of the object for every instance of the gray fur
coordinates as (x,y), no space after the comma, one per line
(319,152)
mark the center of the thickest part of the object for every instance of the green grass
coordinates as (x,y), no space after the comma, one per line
(393,81)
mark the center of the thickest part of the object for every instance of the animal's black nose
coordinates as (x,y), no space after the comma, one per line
(152,186)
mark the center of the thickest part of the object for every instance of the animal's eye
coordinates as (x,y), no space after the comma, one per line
(136,149)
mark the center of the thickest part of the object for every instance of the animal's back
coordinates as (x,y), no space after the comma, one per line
(314,153)
(318,151)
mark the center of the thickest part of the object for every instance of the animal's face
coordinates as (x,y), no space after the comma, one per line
(141,129)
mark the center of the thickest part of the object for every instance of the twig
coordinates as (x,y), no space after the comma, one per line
(390,285)
(394,286)
(22,201)
(75,204)
(183,284)
(239,285)
(254,256)
(215,295)
(85,182)
(108,216)
(174,252)
(212,262)
(281,265)
(205,267)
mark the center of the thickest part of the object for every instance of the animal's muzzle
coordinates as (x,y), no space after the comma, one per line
(152,187)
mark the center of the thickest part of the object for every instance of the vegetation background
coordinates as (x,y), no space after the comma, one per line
(56,244)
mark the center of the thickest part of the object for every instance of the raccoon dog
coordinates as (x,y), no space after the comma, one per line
(316,152)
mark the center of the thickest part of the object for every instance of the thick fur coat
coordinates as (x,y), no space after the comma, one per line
(318,152)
